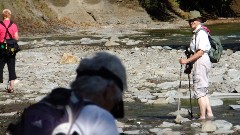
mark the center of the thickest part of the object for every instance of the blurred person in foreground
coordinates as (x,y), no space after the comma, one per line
(198,51)
(100,80)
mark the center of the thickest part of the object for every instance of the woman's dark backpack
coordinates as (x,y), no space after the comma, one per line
(9,46)
(55,114)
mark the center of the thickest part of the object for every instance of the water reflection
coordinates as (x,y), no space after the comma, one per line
(154,115)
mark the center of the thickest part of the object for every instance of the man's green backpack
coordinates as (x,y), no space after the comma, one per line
(216,47)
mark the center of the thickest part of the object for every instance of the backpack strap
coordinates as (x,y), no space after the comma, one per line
(67,100)
(7,32)
(196,37)
(76,104)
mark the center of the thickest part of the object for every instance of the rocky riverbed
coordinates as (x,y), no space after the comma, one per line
(153,79)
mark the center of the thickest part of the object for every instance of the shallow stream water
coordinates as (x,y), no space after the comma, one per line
(146,117)
(229,35)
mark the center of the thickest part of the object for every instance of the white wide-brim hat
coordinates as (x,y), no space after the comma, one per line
(194,15)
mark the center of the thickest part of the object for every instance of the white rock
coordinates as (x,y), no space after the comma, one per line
(235,107)
(208,126)
(223,125)
(215,102)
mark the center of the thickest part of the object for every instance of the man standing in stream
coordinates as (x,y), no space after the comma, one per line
(199,48)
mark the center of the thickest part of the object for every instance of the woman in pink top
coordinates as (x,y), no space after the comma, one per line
(9,59)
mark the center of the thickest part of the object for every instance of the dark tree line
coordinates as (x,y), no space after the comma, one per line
(167,9)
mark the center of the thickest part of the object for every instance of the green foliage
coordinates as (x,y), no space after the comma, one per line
(174,3)
(160,9)
(157,9)
(150,4)
(211,8)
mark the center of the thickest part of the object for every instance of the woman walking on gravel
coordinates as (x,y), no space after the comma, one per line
(7,33)
(199,48)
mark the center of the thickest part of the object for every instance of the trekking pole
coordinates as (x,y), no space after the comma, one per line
(188,69)
(179,117)
(180,85)
(190,113)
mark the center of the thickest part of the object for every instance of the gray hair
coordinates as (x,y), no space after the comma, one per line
(6,13)
(94,84)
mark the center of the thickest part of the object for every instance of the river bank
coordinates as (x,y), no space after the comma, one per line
(153,75)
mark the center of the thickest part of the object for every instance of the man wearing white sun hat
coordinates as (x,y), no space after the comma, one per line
(199,47)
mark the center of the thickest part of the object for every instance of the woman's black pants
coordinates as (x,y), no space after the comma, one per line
(10,60)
